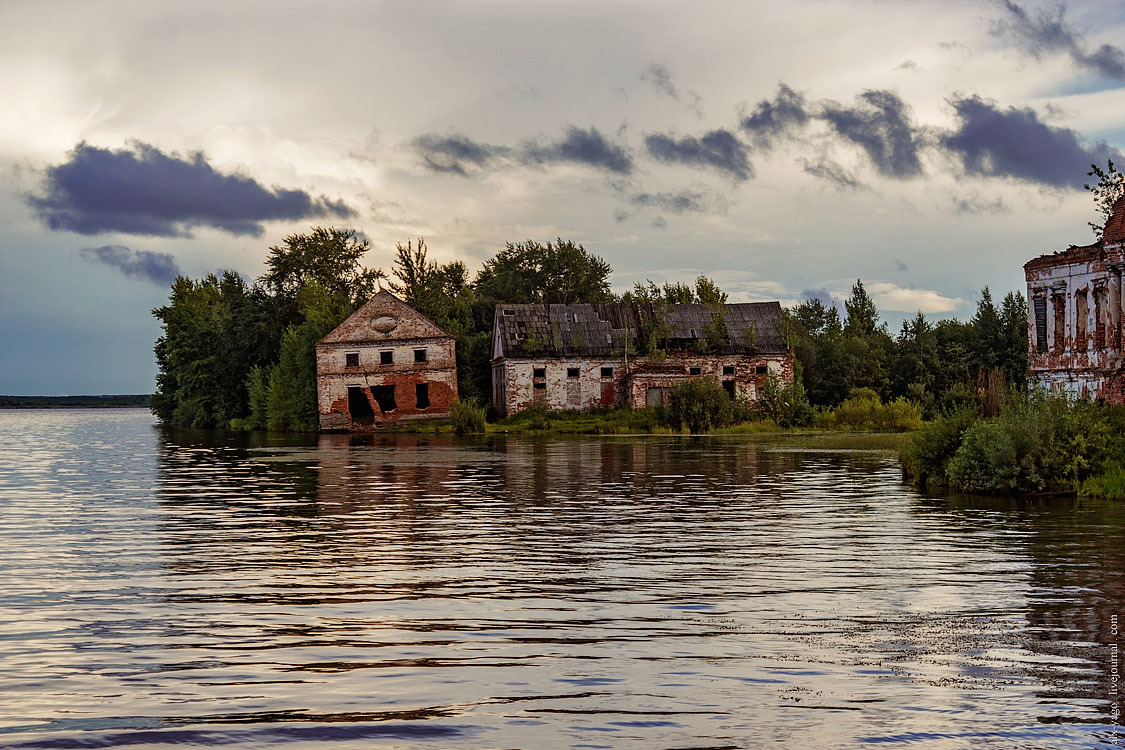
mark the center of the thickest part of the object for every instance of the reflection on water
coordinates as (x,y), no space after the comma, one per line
(193,588)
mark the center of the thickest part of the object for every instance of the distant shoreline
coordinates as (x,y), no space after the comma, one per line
(130,401)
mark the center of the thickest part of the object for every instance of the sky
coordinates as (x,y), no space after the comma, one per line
(785,150)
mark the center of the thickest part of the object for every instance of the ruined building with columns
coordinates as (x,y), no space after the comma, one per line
(1074,316)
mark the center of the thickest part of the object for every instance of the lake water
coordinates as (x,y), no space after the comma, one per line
(651,592)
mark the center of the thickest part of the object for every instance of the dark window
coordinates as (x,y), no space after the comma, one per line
(572,372)
(1041,324)
(358,406)
(384,396)
(761,369)
(509,312)
(695,371)
(351,359)
(728,369)
(607,372)
(386,358)
(728,386)
(422,394)
(539,372)
(540,386)
(419,355)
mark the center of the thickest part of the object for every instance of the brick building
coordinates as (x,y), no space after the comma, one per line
(1074,316)
(582,356)
(385,363)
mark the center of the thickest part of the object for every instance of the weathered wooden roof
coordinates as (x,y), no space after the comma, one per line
(602,330)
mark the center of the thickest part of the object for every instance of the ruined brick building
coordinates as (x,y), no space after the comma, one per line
(582,356)
(1074,316)
(385,363)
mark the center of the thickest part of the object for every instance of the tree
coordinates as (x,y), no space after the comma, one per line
(1110,187)
(863,317)
(555,273)
(330,257)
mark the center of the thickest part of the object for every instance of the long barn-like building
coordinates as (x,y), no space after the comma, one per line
(1075,310)
(586,355)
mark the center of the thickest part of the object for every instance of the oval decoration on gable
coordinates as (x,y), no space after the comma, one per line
(385,323)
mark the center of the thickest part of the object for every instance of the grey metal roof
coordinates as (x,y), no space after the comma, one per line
(603,329)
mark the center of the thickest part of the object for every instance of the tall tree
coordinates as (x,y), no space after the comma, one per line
(558,272)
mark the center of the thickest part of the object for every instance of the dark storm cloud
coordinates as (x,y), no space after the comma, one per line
(144,191)
(880,125)
(719,149)
(1050,33)
(775,117)
(682,202)
(823,295)
(975,205)
(455,153)
(832,172)
(159,268)
(660,78)
(1014,142)
(578,146)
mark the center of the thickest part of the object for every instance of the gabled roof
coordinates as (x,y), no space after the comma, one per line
(602,330)
(384,317)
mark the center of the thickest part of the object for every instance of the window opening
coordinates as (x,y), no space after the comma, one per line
(761,369)
(728,386)
(351,359)
(607,372)
(695,371)
(422,395)
(384,395)
(572,372)
(419,355)
(1041,324)
(539,372)
(359,408)
(728,369)
(386,358)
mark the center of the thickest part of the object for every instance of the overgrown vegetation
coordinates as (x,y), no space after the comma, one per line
(1038,442)
(467,417)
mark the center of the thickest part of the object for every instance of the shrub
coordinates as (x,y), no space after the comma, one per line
(699,404)
(926,458)
(467,417)
(785,403)
(864,410)
(1038,442)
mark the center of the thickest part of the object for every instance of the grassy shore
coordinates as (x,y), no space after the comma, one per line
(643,422)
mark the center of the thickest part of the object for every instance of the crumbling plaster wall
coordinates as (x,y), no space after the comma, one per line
(334,378)
(1085,306)
(514,381)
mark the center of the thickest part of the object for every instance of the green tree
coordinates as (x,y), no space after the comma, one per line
(560,272)
(291,401)
(1109,188)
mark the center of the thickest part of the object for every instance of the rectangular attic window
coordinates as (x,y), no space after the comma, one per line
(386,358)
(509,312)
(351,359)
(419,355)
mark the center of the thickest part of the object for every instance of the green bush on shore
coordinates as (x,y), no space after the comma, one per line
(1039,442)
(467,417)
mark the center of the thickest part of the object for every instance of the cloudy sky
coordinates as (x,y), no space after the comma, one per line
(784,150)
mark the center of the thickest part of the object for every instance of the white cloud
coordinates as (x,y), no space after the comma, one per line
(894,298)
